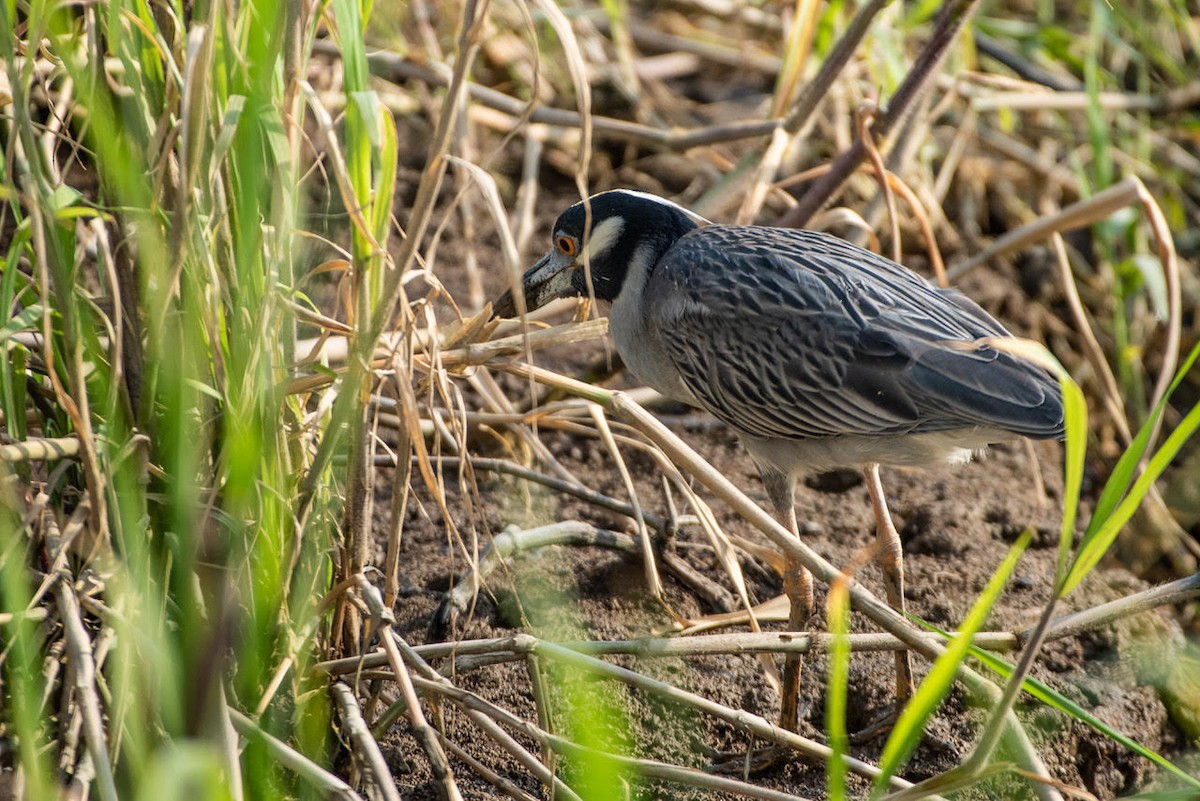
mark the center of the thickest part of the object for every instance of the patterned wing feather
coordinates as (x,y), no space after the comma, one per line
(795,334)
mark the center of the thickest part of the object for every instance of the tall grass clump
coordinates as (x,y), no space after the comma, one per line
(173,493)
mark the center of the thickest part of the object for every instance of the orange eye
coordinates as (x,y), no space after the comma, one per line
(566,244)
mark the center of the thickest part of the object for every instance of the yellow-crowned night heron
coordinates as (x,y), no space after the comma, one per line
(818,353)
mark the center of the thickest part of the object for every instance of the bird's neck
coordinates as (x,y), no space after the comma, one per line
(637,340)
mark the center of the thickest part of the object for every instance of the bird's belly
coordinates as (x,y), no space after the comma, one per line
(795,457)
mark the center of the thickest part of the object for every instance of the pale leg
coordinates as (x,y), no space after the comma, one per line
(798,586)
(891,559)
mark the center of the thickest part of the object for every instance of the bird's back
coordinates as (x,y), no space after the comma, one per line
(797,335)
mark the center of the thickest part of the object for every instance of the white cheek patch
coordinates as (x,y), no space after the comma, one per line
(602,238)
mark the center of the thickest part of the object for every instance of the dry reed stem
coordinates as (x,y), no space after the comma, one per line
(1179,591)
(714,52)
(427,678)
(661,524)
(572,533)
(1110,392)
(653,580)
(882,614)
(35,615)
(391,66)
(329,785)
(37,449)
(75,404)
(893,183)
(494,399)
(523,218)
(865,116)
(676,774)
(1066,789)
(83,669)
(1040,101)
(382,618)
(948,782)
(365,747)
(953,15)
(541,704)
(227,741)
(797,119)
(492,777)
(470,702)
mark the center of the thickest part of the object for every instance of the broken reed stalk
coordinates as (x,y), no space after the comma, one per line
(365,746)
(883,615)
(383,618)
(739,718)
(326,783)
(946,27)
(83,668)
(35,449)
(469,654)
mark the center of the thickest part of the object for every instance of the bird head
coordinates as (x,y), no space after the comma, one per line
(607,239)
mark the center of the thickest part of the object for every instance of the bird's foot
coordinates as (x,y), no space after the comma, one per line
(880,725)
(745,763)
(883,723)
(755,760)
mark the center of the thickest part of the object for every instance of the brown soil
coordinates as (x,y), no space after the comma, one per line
(957,523)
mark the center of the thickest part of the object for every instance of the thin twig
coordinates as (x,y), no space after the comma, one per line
(949,22)
(775,642)
(425,734)
(1179,591)
(79,652)
(500,782)
(364,744)
(392,66)
(583,493)
(329,785)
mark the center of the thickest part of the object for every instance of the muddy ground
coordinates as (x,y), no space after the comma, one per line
(956,522)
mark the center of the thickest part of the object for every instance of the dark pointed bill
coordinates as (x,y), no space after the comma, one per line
(543,282)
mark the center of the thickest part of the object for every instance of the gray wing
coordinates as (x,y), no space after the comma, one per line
(796,334)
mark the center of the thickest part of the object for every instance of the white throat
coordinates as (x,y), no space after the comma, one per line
(636,339)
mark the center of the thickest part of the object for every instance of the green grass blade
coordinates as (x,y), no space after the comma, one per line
(1103,530)
(1122,474)
(908,729)
(385,179)
(352,45)
(20,669)
(1056,700)
(1075,419)
(1093,548)
(24,320)
(837,689)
